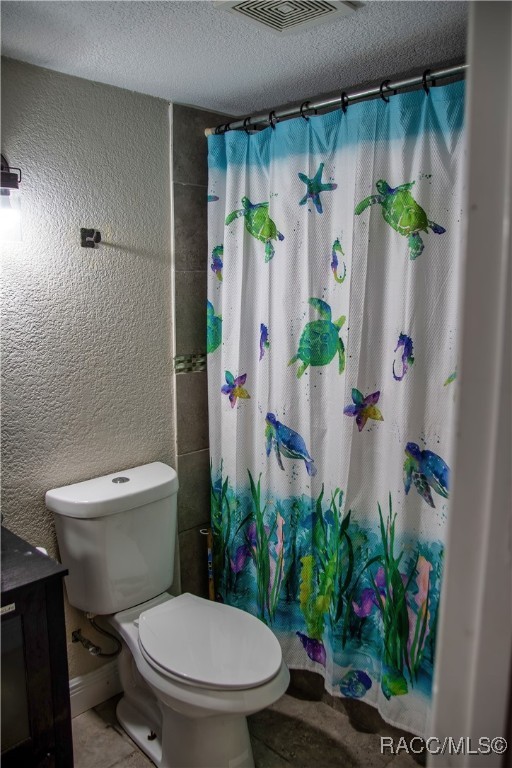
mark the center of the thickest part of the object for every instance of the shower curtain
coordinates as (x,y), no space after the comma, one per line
(335,255)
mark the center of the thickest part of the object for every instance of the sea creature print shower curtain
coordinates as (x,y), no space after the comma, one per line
(335,266)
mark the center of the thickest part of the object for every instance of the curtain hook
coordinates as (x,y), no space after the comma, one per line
(272,119)
(344,101)
(247,122)
(304,104)
(384,84)
(424,77)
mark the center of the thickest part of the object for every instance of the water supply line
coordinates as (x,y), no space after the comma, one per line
(95,650)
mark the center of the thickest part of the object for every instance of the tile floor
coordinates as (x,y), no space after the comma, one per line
(293,732)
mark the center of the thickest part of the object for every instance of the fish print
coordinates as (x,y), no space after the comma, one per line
(264,341)
(216,265)
(287,442)
(404,342)
(363,408)
(234,388)
(393,683)
(337,250)
(367,602)
(427,471)
(369,599)
(314,187)
(241,555)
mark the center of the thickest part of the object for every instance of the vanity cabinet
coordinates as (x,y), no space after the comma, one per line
(36,716)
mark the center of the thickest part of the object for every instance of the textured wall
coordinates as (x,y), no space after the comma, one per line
(87,384)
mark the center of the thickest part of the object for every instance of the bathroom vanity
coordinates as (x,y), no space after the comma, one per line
(36,717)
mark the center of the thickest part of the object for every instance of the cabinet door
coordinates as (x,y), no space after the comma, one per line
(31,741)
(15,721)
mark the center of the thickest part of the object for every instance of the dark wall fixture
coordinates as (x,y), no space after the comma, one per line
(10,202)
(89,237)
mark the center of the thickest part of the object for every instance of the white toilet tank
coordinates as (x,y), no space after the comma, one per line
(116,536)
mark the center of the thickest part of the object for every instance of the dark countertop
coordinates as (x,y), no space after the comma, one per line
(23,564)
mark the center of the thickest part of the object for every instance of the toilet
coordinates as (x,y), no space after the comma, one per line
(191,669)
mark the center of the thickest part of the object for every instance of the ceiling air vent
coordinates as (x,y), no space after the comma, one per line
(286,16)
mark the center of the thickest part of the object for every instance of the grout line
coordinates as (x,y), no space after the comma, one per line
(196,450)
(172,329)
(271,749)
(191,184)
(196,527)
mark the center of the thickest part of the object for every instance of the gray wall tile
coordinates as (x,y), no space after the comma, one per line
(190,226)
(194,493)
(194,562)
(192,407)
(189,143)
(190,313)
(190,180)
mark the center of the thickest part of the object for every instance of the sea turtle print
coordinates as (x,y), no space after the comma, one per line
(320,340)
(258,224)
(288,443)
(403,213)
(213,328)
(427,471)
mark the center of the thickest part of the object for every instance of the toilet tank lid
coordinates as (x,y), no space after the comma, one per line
(114,493)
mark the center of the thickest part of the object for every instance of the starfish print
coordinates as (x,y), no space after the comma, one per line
(315,186)
(364,408)
(234,388)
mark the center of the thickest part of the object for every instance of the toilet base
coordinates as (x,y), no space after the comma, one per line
(210,742)
(140,729)
(221,741)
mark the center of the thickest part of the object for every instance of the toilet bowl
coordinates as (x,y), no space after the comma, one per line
(191,669)
(204,689)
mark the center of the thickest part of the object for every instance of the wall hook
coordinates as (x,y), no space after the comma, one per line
(89,237)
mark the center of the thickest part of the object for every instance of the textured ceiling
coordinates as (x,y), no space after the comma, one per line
(194,53)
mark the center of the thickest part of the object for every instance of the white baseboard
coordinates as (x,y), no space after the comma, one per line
(87,691)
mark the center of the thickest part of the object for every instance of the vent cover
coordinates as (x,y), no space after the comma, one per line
(286,16)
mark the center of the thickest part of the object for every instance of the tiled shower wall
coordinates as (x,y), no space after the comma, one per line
(190,179)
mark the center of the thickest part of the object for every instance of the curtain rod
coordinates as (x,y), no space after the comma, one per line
(343,100)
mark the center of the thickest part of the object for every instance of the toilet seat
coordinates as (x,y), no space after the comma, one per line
(208,644)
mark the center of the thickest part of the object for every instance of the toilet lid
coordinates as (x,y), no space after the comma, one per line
(209,643)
